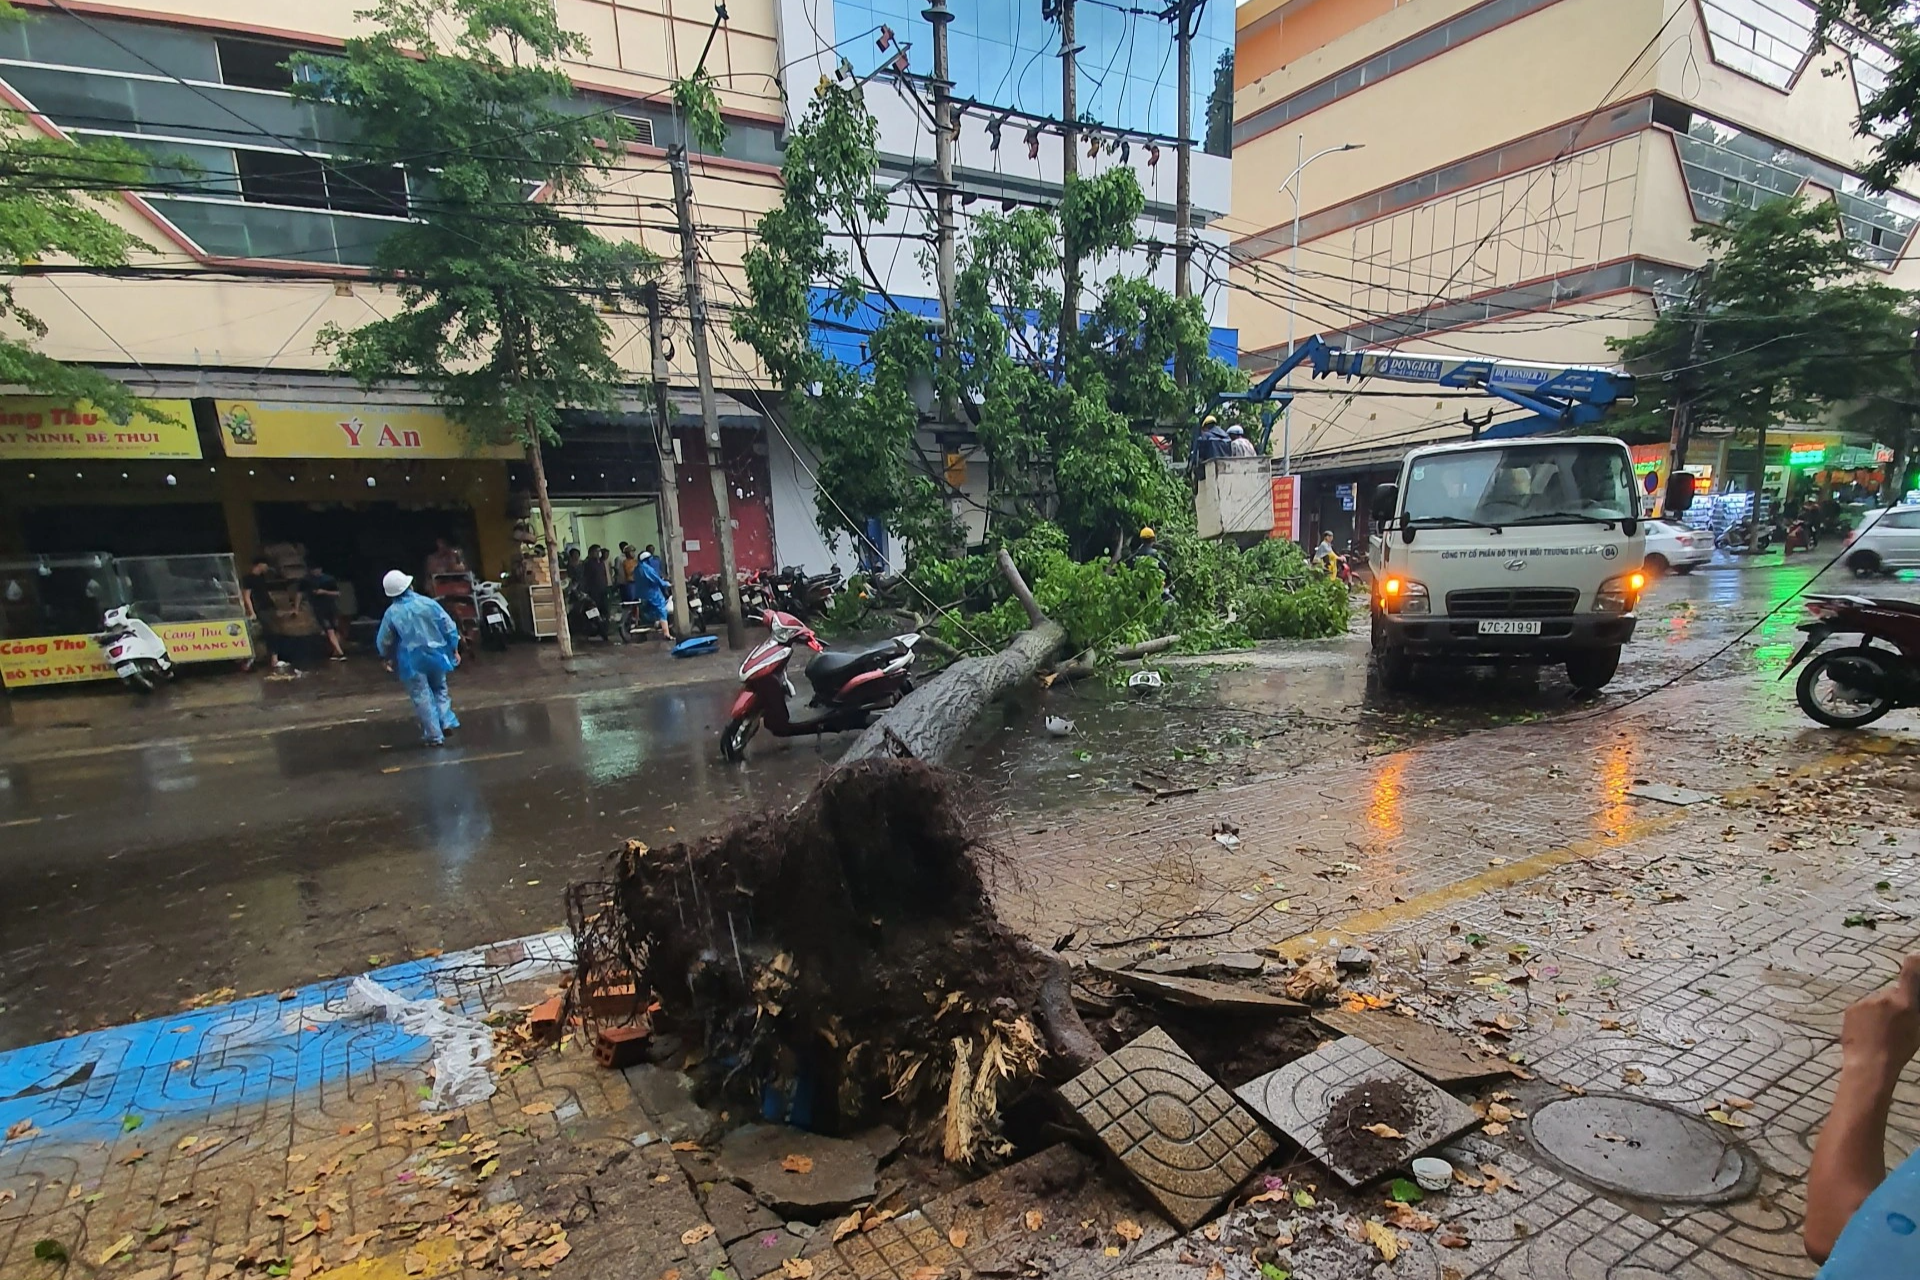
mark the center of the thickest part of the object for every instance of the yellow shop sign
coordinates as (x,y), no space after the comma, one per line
(69,659)
(283,429)
(36,427)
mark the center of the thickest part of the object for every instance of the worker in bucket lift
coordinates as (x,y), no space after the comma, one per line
(421,645)
(1238,446)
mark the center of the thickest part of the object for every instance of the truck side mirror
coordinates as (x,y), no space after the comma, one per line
(1681,486)
(1383,502)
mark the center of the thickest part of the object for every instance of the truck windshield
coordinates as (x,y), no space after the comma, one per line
(1552,483)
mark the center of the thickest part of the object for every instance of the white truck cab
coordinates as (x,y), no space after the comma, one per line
(1508,552)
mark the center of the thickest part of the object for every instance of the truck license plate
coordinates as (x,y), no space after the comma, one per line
(1509,627)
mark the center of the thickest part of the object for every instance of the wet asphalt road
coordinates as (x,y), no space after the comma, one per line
(138,879)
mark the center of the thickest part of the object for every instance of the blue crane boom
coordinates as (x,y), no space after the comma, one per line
(1558,397)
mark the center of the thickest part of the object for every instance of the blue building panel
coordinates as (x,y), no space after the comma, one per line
(844,338)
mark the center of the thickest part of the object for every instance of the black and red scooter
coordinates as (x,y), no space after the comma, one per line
(848,684)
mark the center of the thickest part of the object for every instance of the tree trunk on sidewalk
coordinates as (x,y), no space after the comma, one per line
(931,721)
(561,632)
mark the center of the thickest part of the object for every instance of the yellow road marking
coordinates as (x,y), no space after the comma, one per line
(19,822)
(446,760)
(1346,931)
(441,1255)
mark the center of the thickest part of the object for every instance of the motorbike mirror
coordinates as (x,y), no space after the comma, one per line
(1681,488)
(1385,499)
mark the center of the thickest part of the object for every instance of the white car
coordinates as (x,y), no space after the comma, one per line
(1672,547)
(1887,538)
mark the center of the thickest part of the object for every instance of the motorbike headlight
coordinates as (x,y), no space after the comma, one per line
(1403,596)
(1619,594)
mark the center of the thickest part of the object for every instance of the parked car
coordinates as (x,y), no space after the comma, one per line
(1887,538)
(1672,547)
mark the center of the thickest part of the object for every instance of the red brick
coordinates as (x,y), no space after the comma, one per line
(618,1047)
(543,1020)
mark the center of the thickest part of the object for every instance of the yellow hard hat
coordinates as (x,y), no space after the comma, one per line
(1146,531)
(1209,421)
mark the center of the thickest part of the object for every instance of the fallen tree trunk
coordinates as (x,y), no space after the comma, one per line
(930,722)
(1086,662)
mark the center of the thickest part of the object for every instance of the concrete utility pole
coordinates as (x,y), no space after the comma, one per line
(1069,171)
(670,530)
(709,413)
(1183,193)
(937,14)
(1683,407)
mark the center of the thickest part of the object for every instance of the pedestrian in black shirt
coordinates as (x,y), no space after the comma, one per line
(261,610)
(323,597)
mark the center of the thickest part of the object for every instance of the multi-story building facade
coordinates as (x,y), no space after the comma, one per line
(1530,176)
(1005,65)
(259,235)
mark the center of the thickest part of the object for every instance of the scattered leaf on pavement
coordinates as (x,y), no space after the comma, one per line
(118,1247)
(1271,1272)
(1302,1198)
(1493,1130)
(49,1251)
(1383,1131)
(928,1272)
(846,1226)
(797,1164)
(413,1263)
(20,1129)
(539,1107)
(130,1122)
(1127,1229)
(1381,1237)
(1726,1118)
(1499,1111)
(957,1237)
(796,1269)
(1408,1218)
(1452,1239)
(133,1157)
(1737,1104)
(1034,1218)
(686,1146)
(1405,1192)
(694,1235)
(1633,1075)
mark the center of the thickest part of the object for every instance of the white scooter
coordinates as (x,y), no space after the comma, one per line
(137,655)
(496,619)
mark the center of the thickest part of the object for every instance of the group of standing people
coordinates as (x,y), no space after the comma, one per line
(635,577)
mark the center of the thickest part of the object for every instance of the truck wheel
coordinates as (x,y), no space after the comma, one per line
(1590,669)
(1655,565)
(1395,666)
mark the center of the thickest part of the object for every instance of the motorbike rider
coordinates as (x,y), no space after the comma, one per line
(1325,558)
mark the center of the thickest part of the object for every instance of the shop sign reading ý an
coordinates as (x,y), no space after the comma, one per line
(284,429)
(34,428)
(70,659)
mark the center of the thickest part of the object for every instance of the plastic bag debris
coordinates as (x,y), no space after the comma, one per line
(462,1046)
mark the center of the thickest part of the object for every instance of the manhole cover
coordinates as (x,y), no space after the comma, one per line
(1643,1149)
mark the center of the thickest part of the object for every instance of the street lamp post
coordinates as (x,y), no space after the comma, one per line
(1293,182)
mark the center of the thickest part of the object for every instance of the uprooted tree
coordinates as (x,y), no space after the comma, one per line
(842,961)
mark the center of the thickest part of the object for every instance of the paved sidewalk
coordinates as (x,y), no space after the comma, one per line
(1512,887)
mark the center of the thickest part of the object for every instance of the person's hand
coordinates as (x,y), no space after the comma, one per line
(456,657)
(1881,1033)
(388,664)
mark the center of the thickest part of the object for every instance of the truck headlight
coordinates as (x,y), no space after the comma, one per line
(1620,594)
(1398,595)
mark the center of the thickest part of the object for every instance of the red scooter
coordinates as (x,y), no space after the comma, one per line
(848,684)
(1852,687)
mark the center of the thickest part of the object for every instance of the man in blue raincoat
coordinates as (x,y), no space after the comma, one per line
(421,645)
(651,589)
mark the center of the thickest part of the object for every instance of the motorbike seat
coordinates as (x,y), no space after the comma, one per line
(838,665)
(1896,606)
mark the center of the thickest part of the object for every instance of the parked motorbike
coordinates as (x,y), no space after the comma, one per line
(585,617)
(136,654)
(1802,535)
(848,684)
(1742,539)
(1852,687)
(805,595)
(496,618)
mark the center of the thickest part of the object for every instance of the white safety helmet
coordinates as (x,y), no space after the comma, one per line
(396,583)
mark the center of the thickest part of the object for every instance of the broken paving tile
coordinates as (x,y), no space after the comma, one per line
(1241,964)
(841,1172)
(1299,1099)
(1178,1133)
(761,1253)
(735,1215)
(897,1249)
(1439,1055)
(1197,993)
